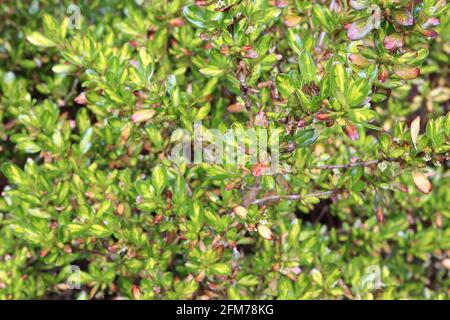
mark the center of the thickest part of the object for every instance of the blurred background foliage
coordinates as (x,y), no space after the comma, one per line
(89,111)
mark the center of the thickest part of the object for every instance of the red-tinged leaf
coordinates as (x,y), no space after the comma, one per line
(251,54)
(383,74)
(359,29)
(430,33)
(134,63)
(446,263)
(394,41)
(351,131)
(291,21)
(265,232)
(261,119)
(323,117)
(359,60)
(143,115)
(176,22)
(225,50)
(240,211)
(281,3)
(406,73)
(301,123)
(200,276)
(81,99)
(433,21)
(258,169)
(380,215)
(403,17)
(422,182)
(125,133)
(236,107)
(136,292)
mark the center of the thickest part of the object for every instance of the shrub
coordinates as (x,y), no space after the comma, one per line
(95,97)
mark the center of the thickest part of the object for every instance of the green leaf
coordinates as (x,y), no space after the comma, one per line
(339,78)
(317,276)
(202,112)
(58,141)
(195,15)
(104,206)
(64,68)
(306,137)
(38,39)
(307,67)
(28,146)
(85,143)
(213,219)
(159,179)
(14,174)
(75,229)
(284,85)
(39,213)
(324,17)
(26,232)
(361,114)
(294,41)
(212,71)
(221,269)
(358,92)
(294,234)
(99,231)
(248,280)
(145,68)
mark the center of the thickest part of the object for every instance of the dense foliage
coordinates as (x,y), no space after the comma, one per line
(91,105)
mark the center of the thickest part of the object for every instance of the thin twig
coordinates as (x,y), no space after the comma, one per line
(295,196)
(253,192)
(244,90)
(321,214)
(352,165)
(72,92)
